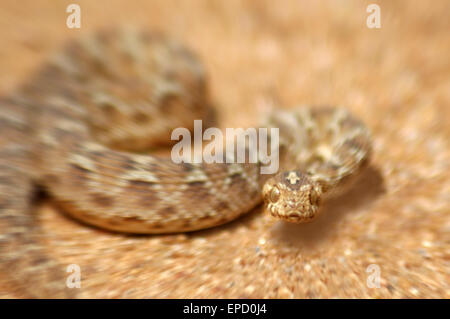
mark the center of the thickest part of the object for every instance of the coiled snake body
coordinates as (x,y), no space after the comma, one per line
(72,126)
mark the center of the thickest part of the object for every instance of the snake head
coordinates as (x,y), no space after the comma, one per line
(292,196)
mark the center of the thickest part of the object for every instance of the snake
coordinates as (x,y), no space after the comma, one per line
(79,127)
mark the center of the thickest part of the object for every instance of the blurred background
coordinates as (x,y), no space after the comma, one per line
(396,78)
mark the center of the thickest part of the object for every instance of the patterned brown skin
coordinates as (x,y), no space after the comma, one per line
(118,91)
(22,256)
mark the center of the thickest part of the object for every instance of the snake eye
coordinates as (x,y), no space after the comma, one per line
(274,195)
(313,197)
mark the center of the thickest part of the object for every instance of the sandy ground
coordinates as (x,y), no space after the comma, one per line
(396,78)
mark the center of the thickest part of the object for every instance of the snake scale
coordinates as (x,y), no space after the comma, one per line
(73,128)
